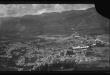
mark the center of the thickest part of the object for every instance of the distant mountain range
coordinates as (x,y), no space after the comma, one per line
(87,22)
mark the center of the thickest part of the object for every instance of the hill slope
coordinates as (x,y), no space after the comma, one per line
(83,21)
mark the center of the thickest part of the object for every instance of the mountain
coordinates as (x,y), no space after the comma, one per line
(85,22)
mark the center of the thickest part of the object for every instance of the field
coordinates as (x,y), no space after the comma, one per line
(50,55)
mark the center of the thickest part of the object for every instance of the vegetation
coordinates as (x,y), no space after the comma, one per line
(43,54)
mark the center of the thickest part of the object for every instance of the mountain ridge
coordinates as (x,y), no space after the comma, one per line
(83,21)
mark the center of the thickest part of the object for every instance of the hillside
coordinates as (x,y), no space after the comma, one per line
(83,21)
(55,42)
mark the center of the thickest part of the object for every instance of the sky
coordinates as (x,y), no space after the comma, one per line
(36,9)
